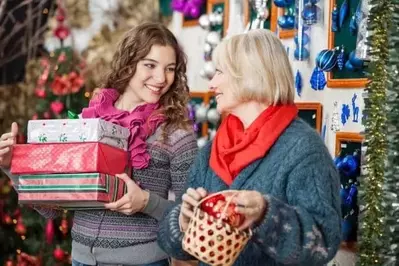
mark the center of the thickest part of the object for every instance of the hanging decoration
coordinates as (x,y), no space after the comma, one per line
(349,170)
(286,21)
(355,109)
(362,47)
(298,83)
(334,19)
(343,13)
(211,22)
(190,8)
(236,18)
(372,224)
(262,14)
(335,126)
(345,113)
(391,178)
(324,130)
(325,61)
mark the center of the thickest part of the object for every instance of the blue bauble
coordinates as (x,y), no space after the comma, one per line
(309,14)
(305,39)
(301,53)
(349,166)
(349,66)
(355,61)
(283,3)
(326,59)
(313,2)
(346,228)
(282,21)
(290,21)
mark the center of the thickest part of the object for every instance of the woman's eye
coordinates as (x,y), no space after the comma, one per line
(151,66)
(171,69)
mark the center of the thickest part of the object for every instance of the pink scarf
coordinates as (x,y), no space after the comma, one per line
(139,121)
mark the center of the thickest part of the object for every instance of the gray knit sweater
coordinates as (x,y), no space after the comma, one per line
(104,236)
(301,186)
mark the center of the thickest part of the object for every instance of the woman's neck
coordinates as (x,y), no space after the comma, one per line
(248,112)
(128,101)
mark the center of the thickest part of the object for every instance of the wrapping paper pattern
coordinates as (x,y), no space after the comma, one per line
(71,191)
(77,130)
(64,158)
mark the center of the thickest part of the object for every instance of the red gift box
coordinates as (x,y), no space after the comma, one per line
(66,158)
(71,191)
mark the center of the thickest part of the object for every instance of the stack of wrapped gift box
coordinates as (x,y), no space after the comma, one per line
(71,163)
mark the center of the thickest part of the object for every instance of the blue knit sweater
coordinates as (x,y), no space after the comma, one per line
(301,185)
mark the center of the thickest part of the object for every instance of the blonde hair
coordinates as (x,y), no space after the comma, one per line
(257,66)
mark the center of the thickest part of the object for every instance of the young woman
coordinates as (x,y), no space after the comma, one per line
(288,185)
(146,91)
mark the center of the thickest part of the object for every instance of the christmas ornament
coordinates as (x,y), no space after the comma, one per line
(283,3)
(335,126)
(345,113)
(57,107)
(334,19)
(262,13)
(209,69)
(213,116)
(49,231)
(46,115)
(201,113)
(216,205)
(7,219)
(9,263)
(35,117)
(201,142)
(20,228)
(298,83)
(64,226)
(59,254)
(327,59)
(213,38)
(204,22)
(343,13)
(362,47)
(355,109)
(40,93)
(72,115)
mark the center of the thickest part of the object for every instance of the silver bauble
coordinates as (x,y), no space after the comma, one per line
(203,74)
(201,142)
(210,69)
(218,19)
(212,18)
(263,13)
(213,116)
(213,38)
(212,133)
(204,22)
(200,113)
(207,48)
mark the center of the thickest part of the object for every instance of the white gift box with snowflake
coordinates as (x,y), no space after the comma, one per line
(77,130)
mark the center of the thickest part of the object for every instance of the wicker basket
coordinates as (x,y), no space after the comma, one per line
(212,240)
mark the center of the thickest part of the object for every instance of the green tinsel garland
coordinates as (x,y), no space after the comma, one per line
(372,222)
(391,184)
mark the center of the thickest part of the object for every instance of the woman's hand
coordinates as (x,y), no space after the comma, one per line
(252,205)
(190,200)
(7,141)
(135,200)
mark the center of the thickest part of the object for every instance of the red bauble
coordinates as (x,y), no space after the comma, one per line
(7,219)
(50,231)
(35,117)
(46,115)
(61,32)
(59,254)
(57,107)
(215,205)
(20,229)
(9,263)
(40,93)
(64,226)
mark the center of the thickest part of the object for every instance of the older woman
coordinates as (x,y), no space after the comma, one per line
(288,185)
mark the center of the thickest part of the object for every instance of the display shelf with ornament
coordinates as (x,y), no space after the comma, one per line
(285,18)
(348,153)
(311,112)
(345,23)
(221,7)
(260,14)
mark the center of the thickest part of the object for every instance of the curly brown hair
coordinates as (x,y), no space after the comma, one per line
(134,47)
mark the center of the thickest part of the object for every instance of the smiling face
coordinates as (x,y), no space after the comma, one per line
(154,75)
(222,87)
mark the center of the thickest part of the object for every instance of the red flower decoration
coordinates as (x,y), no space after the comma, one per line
(61,85)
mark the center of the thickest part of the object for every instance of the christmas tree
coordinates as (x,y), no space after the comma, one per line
(26,238)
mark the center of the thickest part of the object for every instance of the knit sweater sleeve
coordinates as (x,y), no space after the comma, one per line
(47,213)
(169,235)
(183,148)
(306,229)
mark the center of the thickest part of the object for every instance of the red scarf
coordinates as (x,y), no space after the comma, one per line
(234,148)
